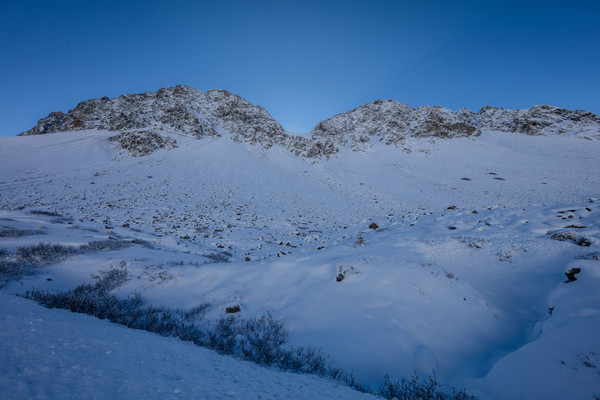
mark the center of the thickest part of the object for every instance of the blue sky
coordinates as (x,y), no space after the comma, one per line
(304,61)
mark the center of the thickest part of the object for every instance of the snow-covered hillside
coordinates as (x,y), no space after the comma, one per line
(54,354)
(437,251)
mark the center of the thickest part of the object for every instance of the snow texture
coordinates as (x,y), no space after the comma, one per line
(51,354)
(463,272)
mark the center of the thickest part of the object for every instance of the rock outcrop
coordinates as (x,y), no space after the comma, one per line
(143,120)
(391,122)
(180,109)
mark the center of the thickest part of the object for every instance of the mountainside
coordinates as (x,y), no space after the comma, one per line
(181,109)
(392,122)
(374,239)
(145,120)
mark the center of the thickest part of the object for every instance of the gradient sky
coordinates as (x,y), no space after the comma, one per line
(304,61)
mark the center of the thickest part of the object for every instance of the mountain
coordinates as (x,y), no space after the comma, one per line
(142,120)
(145,120)
(393,239)
(393,122)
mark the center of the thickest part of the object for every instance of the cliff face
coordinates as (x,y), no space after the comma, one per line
(146,117)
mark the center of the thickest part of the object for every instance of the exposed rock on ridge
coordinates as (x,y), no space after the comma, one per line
(142,120)
(540,120)
(391,122)
(181,109)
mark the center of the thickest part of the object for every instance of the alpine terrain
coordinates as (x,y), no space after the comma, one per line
(388,243)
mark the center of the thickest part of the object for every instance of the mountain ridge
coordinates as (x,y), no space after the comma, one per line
(142,119)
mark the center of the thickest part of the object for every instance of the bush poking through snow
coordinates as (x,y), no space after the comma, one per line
(53,253)
(260,340)
(10,232)
(104,245)
(222,257)
(417,388)
(12,270)
(44,253)
(47,213)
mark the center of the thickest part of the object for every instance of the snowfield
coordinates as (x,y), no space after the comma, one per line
(51,354)
(464,272)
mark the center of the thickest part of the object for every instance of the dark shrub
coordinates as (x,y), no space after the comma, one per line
(104,245)
(44,253)
(417,388)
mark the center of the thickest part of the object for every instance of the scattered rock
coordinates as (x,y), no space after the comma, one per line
(374,226)
(571,274)
(233,310)
(141,143)
(340,277)
(571,236)
(583,242)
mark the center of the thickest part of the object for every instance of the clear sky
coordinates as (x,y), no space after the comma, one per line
(304,61)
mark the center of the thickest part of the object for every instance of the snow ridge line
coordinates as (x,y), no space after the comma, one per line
(140,118)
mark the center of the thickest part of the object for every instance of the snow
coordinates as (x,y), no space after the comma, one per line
(49,354)
(460,276)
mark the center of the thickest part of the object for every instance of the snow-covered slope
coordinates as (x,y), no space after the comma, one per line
(54,354)
(463,271)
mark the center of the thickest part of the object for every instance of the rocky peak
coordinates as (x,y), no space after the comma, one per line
(391,122)
(179,109)
(152,120)
(540,120)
